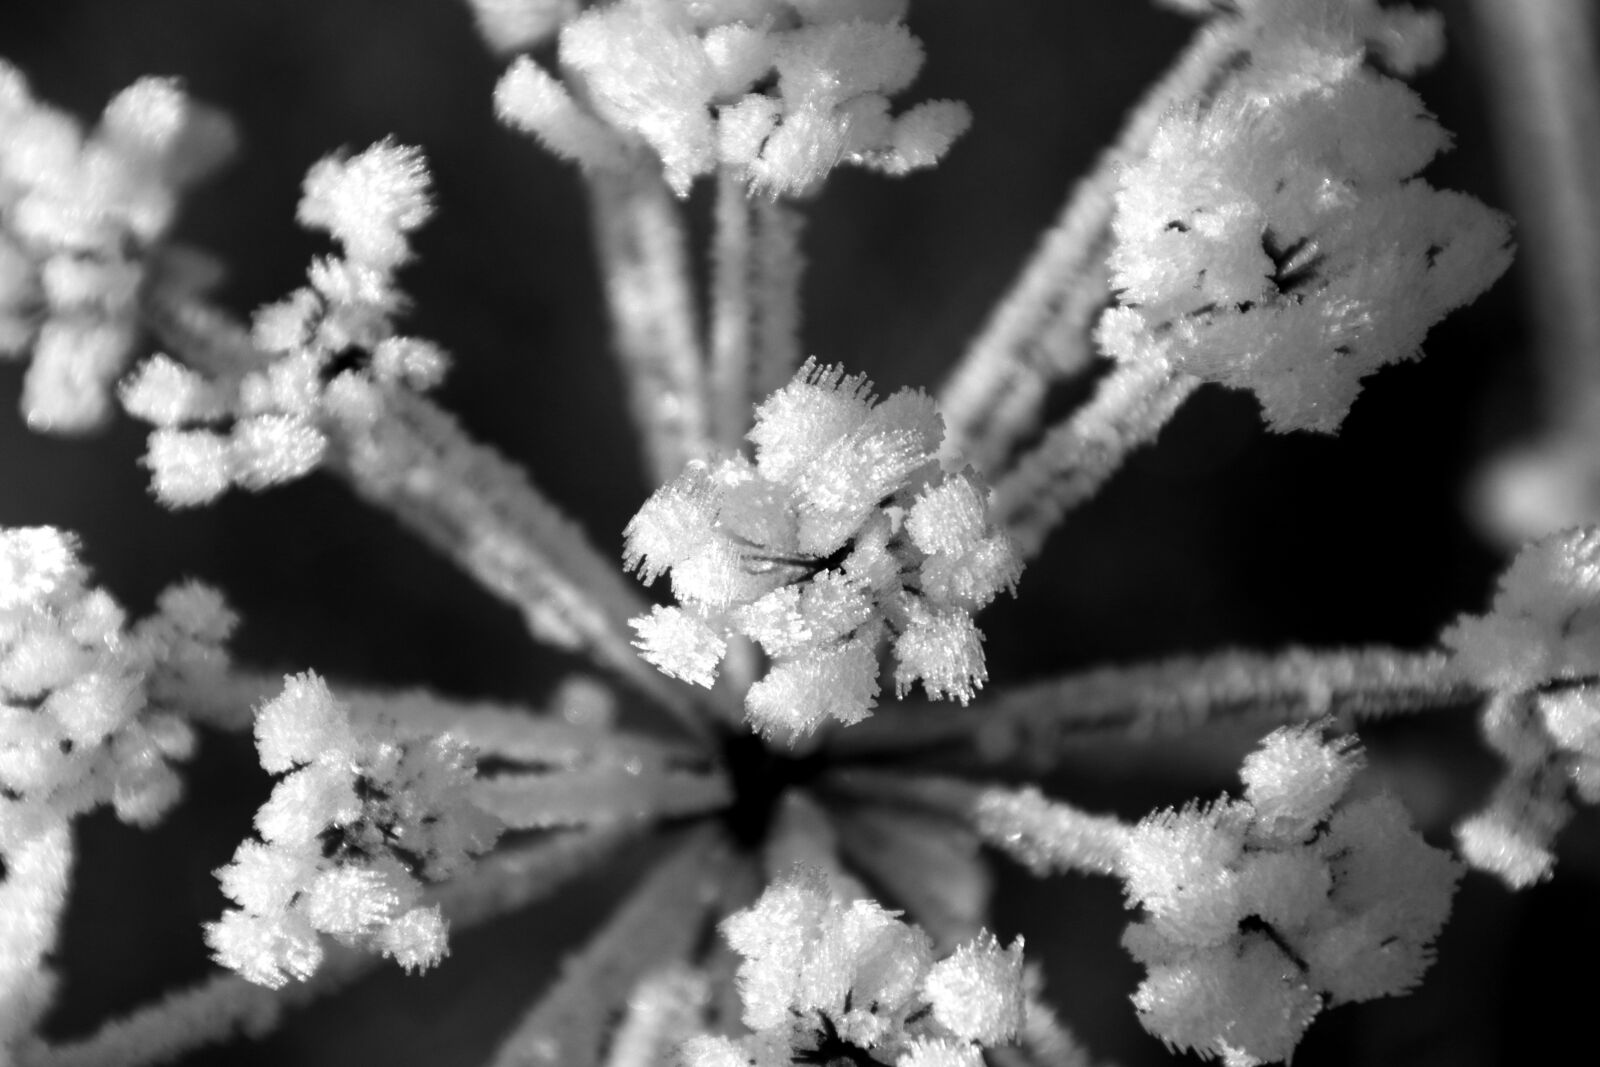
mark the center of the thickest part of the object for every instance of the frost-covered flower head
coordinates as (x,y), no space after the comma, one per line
(80,691)
(1276,238)
(844,532)
(80,216)
(326,352)
(1263,910)
(779,91)
(825,979)
(1537,652)
(360,820)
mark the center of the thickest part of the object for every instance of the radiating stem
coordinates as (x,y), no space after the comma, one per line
(648,286)
(1032,725)
(1545,102)
(1040,331)
(227,1006)
(1077,456)
(732,309)
(466,500)
(660,924)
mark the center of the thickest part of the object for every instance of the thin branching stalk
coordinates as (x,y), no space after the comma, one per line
(1540,59)
(1039,332)
(600,796)
(660,924)
(640,241)
(471,504)
(1077,456)
(228,1006)
(1047,836)
(732,309)
(780,270)
(756,271)
(1032,725)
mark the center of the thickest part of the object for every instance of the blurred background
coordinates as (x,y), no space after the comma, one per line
(1220,535)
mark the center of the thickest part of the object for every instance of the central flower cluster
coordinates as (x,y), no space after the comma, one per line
(844,532)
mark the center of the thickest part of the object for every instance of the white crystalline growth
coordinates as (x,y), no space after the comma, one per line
(824,978)
(270,424)
(1260,912)
(1536,651)
(843,533)
(81,215)
(81,719)
(778,91)
(1276,237)
(347,839)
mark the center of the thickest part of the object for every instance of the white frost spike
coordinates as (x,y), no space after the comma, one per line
(944,650)
(977,993)
(370,202)
(680,645)
(1294,778)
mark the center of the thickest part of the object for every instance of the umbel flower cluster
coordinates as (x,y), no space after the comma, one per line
(751,548)
(811,860)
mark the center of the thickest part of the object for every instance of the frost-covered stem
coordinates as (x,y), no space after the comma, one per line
(480,510)
(468,502)
(732,310)
(1040,331)
(1077,455)
(217,1010)
(1033,724)
(660,924)
(780,268)
(1039,833)
(640,241)
(928,864)
(756,266)
(600,796)
(36,857)
(1540,59)
(1047,836)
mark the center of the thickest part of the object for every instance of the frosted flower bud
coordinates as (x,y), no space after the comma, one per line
(35,562)
(369,202)
(302,724)
(944,650)
(417,940)
(680,645)
(977,993)
(165,393)
(188,467)
(268,951)
(1294,777)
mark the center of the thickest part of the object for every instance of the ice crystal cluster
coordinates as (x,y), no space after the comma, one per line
(1262,910)
(355,822)
(822,978)
(841,532)
(688,80)
(1276,236)
(1537,651)
(812,884)
(83,217)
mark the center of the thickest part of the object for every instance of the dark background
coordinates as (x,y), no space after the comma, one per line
(1221,535)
